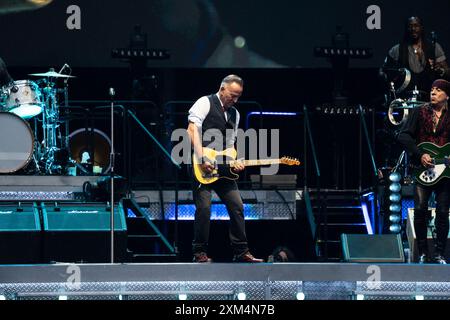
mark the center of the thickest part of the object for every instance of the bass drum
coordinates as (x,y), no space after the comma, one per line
(95,140)
(16,143)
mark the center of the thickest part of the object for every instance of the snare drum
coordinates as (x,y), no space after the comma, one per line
(16,143)
(22,97)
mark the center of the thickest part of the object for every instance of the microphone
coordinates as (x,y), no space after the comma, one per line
(112,92)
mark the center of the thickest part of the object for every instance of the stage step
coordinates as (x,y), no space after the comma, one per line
(145,242)
(335,212)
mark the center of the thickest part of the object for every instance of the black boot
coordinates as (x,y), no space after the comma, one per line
(439,258)
(439,253)
(423,251)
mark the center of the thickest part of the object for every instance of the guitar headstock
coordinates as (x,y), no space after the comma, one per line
(290,161)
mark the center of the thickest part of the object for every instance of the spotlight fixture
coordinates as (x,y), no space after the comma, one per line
(242,296)
(300,296)
(182,296)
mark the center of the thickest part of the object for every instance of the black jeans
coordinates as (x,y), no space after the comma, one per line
(421,197)
(228,192)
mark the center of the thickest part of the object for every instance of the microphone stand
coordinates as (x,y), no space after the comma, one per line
(66,105)
(111,161)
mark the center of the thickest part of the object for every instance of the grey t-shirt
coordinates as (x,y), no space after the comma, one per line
(417,65)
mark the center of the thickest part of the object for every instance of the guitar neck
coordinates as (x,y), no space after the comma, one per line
(442,161)
(263,162)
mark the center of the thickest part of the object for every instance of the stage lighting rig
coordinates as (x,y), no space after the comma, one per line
(137,51)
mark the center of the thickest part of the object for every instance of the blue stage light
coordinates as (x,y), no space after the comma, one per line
(395,197)
(395,218)
(395,207)
(395,228)
(395,177)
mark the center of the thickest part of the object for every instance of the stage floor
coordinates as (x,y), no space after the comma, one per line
(225,281)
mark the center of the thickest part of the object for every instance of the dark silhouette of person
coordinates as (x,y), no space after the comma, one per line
(423,58)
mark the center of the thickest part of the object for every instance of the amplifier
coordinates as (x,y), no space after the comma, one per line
(20,233)
(372,248)
(81,233)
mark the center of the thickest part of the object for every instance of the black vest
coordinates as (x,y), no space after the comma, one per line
(216,120)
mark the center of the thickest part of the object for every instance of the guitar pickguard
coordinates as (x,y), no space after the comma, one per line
(432,174)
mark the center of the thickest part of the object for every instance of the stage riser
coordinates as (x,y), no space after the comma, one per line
(258,204)
(223,281)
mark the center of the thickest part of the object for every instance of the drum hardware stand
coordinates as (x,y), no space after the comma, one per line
(111,161)
(47,150)
(66,104)
(50,125)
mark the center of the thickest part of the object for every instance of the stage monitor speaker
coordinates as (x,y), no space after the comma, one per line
(20,233)
(411,235)
(372,248)
(80,232)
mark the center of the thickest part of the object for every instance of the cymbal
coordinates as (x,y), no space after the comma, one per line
(414,103)
(51,74)
(9,6)
(406,104)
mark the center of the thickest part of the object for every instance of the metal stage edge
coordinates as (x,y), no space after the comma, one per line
(223,281)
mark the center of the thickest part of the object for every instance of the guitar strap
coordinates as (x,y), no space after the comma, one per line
(231,122)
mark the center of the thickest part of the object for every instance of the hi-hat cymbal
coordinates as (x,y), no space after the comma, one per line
(414,103)
(405,104)
(51,74)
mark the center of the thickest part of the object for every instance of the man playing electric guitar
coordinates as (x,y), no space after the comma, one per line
(429,123)
(217,113)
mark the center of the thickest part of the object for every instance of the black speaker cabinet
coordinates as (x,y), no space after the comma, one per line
(372,248)
(81,232)
(20,233)
(412,241)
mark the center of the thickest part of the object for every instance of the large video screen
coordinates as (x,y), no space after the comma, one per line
(212,33)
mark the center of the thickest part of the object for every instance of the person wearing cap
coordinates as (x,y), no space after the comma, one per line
(429,123)
(424,58)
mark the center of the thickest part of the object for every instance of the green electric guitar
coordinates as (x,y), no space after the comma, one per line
(441,160)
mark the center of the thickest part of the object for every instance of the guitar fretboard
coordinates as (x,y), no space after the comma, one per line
(263,162)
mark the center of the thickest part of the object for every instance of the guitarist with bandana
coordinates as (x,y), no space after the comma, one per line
(430,124)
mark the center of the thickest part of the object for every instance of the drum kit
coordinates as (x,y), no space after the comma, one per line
(398,110)
(25,101)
